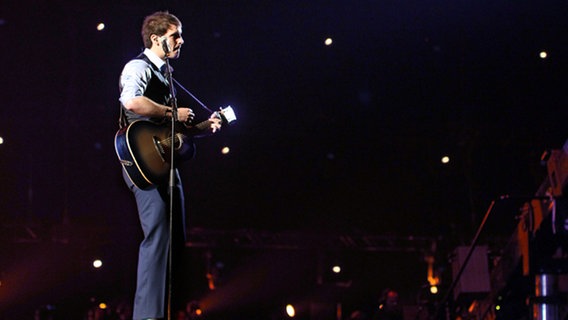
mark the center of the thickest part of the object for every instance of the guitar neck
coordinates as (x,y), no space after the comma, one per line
(196,130)
(203,125)
(226,115)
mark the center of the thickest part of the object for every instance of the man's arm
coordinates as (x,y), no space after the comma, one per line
(146,107)
(134,79)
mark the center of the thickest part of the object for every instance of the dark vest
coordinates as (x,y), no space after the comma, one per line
(157,91)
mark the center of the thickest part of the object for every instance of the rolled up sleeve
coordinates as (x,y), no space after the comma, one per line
(134,80)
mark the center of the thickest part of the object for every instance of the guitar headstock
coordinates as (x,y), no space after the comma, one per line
(227,114)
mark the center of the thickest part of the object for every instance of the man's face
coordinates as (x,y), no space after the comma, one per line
(174,40)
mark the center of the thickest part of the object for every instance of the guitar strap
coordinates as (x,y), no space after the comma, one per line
(122,123)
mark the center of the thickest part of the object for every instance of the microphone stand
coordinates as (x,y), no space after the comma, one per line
(172,179)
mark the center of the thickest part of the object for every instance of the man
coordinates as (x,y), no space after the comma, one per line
(145,94)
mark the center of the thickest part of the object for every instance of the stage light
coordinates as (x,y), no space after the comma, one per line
(102,305)
(445,159)
(433,279)
(328,41)
(543,55)
(100,26)
(473,306)
(210,280)
(290,311)
(225,150)
(1,140)
(194,310)
(97,263)
(336,269)
(434,289)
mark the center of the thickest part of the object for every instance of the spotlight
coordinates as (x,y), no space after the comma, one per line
(100,26)
(1,140)
(193,310)
(97,263)
(336,269)
(328,41)
(290,311)
(434,289)
(543,55)
(225,150)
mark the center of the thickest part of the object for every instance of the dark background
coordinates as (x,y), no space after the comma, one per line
(340,139)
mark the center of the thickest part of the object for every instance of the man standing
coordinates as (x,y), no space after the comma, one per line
(145,94)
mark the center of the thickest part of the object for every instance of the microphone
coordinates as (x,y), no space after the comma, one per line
(165,45)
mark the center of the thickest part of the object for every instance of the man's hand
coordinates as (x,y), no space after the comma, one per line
(215,123)
(185,115)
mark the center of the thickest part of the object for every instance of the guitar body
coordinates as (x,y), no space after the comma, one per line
(144,152)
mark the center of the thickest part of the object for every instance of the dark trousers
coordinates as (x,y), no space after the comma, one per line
(152,273)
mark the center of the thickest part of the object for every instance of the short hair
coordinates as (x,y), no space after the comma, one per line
(157,23)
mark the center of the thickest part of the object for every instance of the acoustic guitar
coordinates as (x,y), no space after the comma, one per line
(144,148)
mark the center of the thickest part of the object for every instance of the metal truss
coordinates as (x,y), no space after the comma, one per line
(296,240)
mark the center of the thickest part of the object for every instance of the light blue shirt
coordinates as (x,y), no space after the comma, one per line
(136,75)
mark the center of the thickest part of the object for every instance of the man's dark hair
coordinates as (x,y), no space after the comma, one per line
(157,23)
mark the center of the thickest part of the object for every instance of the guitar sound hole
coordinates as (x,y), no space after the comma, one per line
(178,142)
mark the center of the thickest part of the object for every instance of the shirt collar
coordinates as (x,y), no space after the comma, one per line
(154,58)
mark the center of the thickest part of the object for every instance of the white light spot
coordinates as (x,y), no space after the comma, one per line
(290,311)
(97,263)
